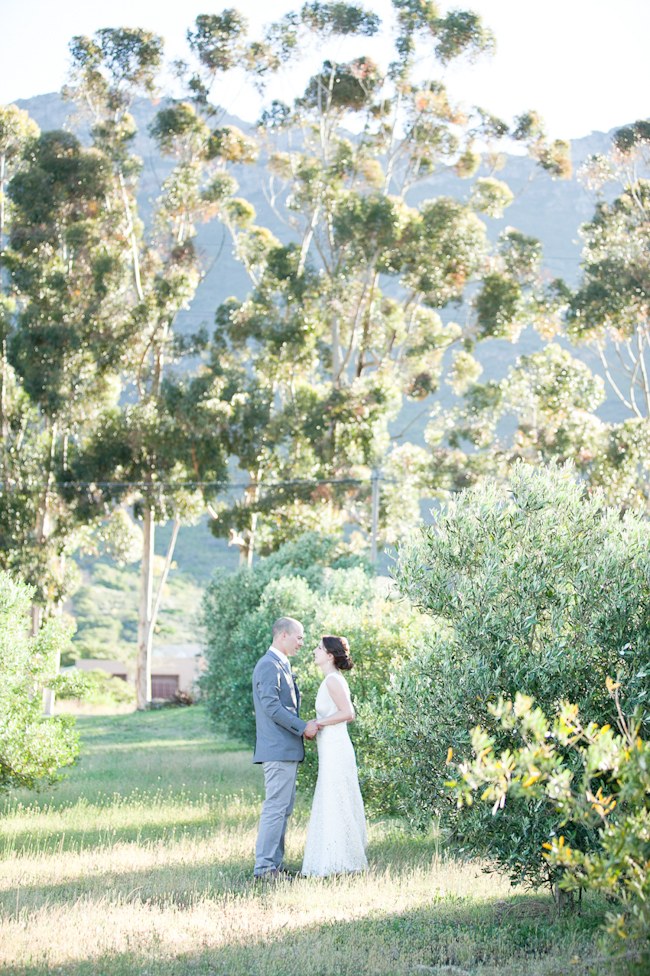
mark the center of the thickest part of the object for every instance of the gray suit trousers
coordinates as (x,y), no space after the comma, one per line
(280,783)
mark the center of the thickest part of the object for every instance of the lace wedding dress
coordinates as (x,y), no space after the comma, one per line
(336,836)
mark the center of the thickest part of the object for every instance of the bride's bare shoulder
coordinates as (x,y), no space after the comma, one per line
(336,679)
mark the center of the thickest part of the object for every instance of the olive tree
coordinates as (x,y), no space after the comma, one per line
(317,581)
(534,587)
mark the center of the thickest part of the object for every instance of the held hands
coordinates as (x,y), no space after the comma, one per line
(311,729)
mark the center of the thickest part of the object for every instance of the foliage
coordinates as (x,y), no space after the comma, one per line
(95,687)
(32,748)
(588,775)
(344,322)
(314,580)
(152,448)
(546,407)
(536,588)
(61,348)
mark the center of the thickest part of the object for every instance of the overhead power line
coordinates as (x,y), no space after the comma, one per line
(221,485)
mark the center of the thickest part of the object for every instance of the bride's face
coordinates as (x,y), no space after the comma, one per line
(320,654)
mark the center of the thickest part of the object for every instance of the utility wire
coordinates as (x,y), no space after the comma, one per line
(223,485)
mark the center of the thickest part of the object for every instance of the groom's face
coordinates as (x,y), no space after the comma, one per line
(293,640)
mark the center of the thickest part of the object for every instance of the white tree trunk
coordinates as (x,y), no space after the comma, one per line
(145,617)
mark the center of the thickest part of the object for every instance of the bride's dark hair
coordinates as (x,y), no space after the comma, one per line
(339,648)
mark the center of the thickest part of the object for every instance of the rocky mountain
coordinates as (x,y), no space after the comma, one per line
(551,210)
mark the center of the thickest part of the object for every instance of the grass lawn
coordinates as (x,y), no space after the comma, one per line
(141,862)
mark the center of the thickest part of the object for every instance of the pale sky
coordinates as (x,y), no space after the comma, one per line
(582,64)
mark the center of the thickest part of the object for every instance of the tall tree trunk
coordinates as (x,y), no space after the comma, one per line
(42,528)
(4,422)
(4,419)
(150,605)
(165,573)
(145,617)
(49,696)
(251,496)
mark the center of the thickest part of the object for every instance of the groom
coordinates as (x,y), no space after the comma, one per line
(279,746)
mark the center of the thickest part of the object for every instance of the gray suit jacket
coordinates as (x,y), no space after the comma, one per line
(279,727)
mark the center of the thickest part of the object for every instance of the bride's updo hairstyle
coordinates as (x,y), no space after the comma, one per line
(339,648)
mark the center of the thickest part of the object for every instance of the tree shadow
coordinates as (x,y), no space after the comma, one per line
(57,842)
(446,938)
(177,882)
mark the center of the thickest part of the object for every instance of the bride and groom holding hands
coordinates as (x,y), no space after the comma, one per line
(336,836)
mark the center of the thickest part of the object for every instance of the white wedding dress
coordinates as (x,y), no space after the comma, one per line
(336,836)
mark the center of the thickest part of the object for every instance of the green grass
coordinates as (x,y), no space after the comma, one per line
(140,861)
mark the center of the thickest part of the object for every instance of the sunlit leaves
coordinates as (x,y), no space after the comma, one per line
(521,255)
(16,128)
(230,144)
(597,779)
(443,250)
(369,228)
(461,32)
(342,86)
(633,136)
(554,157)
(116,63)
(220,188)
(339,18)
(178,130)
(499,307)
(32,748)
(465,371)
(319,312)
(467,163)
(615,290)
(458,33)
(275,117)
(552,384)
(217,39)
(491,196)
(64,184)
(65,271)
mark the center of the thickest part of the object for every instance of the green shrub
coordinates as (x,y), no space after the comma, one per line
(32,748)
(535,589)
(311,580)
(95,687)
(592,778)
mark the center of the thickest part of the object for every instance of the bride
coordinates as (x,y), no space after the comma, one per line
(336,836)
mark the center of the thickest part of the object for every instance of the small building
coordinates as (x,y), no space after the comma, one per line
(174,668)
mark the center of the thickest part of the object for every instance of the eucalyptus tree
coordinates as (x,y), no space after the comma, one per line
(164,441)
(553,395)
(352,315)
(16,130)
(610,311)
(66,274)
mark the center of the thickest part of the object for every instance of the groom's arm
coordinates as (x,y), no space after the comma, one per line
(268,692)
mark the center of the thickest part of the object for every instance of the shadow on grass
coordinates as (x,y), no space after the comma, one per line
(56,841)
(176,882)
(449,938)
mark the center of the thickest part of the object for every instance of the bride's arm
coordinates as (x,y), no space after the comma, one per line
(345,711)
